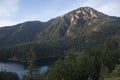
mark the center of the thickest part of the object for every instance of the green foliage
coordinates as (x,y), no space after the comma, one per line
(59,35)
(8,76)
(95,55)
(79,68)
(110,55)
(104,73)
(95,64)
(5,54)
(20,33)
(35,77)
(30,62)
(42,50)
(116,71)
(33,72)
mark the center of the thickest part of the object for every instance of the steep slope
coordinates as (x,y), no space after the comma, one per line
(80,22)
(80,29)
(83,24)
(19,33)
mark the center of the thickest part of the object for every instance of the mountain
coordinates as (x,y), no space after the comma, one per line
(71,24)
(81,29)
(82,21)
(85,26)
(19,33)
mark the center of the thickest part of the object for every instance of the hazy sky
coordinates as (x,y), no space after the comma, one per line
(17,11)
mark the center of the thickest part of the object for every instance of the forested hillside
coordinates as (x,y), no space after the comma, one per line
(79,29)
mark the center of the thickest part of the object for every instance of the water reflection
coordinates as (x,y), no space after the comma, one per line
(19,68)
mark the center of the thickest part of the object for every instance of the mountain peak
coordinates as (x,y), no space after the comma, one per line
(84,23)
(82,14)
(91,11)
(85,13)
(88,11)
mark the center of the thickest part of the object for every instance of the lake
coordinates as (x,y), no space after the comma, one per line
(19,68)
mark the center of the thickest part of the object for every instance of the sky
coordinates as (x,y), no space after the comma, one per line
(17,11)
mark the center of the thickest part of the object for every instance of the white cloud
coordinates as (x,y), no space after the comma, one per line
(7,9)
(111,8)
(6,23)
(76,4)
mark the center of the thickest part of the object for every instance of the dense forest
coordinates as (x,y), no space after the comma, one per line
(85,41)
(8,76)
(93,64)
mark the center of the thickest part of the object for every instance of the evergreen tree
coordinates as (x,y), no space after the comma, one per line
(8,76)
(104,73)
(109,56)
(116,71)
(33,72)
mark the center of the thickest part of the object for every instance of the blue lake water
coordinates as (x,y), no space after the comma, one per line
(19,68)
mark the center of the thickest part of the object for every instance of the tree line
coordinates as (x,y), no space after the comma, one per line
(93,64)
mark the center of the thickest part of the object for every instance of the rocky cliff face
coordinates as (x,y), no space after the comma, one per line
(80,29)
(83,24)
